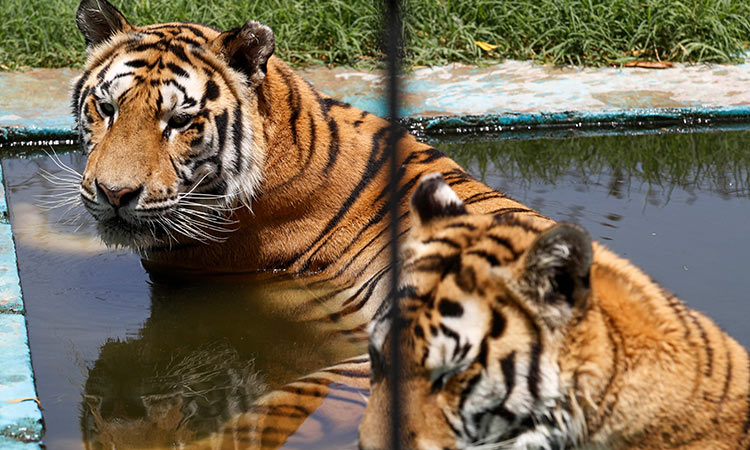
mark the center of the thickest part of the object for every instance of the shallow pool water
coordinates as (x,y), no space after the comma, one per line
(104,335)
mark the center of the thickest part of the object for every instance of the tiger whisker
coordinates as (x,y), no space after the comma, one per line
(191,231)
(194,223)
(213,207)
(209,217)
(58,162)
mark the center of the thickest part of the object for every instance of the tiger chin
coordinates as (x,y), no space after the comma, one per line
(521,334)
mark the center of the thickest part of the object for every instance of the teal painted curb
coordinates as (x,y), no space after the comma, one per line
(21,425)
(34,105)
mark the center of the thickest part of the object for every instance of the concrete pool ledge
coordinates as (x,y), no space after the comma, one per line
(34,105)
(20,414)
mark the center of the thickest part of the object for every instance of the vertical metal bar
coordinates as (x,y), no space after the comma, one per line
(392,31)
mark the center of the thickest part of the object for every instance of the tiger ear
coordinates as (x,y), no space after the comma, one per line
(98,20)
(556,267)
(247,49)
(434,198)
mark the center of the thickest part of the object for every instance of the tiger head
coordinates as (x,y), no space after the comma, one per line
(484,303)
(169,118)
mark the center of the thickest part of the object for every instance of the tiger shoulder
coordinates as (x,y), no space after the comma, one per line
(522,334)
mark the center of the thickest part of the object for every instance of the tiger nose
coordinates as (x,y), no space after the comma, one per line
(119,197)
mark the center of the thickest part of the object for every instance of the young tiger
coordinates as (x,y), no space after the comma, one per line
(521,334)
(206,153)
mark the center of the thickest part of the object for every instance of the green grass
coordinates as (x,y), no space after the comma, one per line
(42,33)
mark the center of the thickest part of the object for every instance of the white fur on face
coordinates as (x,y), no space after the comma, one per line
(470,327)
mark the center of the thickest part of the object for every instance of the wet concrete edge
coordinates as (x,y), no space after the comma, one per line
(21,425)
(34,105)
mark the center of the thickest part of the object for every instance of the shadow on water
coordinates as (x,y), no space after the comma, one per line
(121,357)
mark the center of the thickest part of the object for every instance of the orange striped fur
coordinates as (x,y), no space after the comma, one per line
(524,334)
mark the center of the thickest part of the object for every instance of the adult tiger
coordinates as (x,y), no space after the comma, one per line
(521,334)
(183,123)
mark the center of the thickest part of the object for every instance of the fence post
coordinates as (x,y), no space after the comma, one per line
(392,33)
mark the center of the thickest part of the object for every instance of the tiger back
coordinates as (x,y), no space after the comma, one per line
(521,334)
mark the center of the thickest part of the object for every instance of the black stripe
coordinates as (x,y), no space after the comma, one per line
(159,101)
(432,155)
(727,378)
(678,307)
(445,241)
(508,366)
(470,385)
(237,136)
(100,75)
(503,242)
(456,432)
(211,91)
(450,308)
(333,146)
(359,305)
(482,196)
(534,376)
(179,71)
(76,100)
(502,211)
(329,102)
(468,226)
(498,324)
(136,63)
(221,130)
(122,75)
(503,217)
(449,333)
(706,343)
(370,281)
(179,52)
(188,100)
(492,259)
(294,103)
(180,27)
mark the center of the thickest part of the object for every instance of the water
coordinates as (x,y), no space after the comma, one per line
(677,205)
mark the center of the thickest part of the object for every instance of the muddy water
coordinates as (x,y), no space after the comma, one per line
(105,336)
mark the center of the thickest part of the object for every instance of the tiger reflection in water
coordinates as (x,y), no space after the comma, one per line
(193,377)
(212,399)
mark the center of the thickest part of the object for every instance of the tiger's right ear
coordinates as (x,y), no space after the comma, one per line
(434,198)
(98,20)
(247,49)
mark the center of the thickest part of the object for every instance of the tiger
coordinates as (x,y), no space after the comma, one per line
(517,333)
(208,154)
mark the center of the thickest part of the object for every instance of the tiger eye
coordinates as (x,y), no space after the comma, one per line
(107,109)
(179,120)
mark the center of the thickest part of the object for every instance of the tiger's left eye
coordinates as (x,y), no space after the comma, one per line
(179,120)
(107,109)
